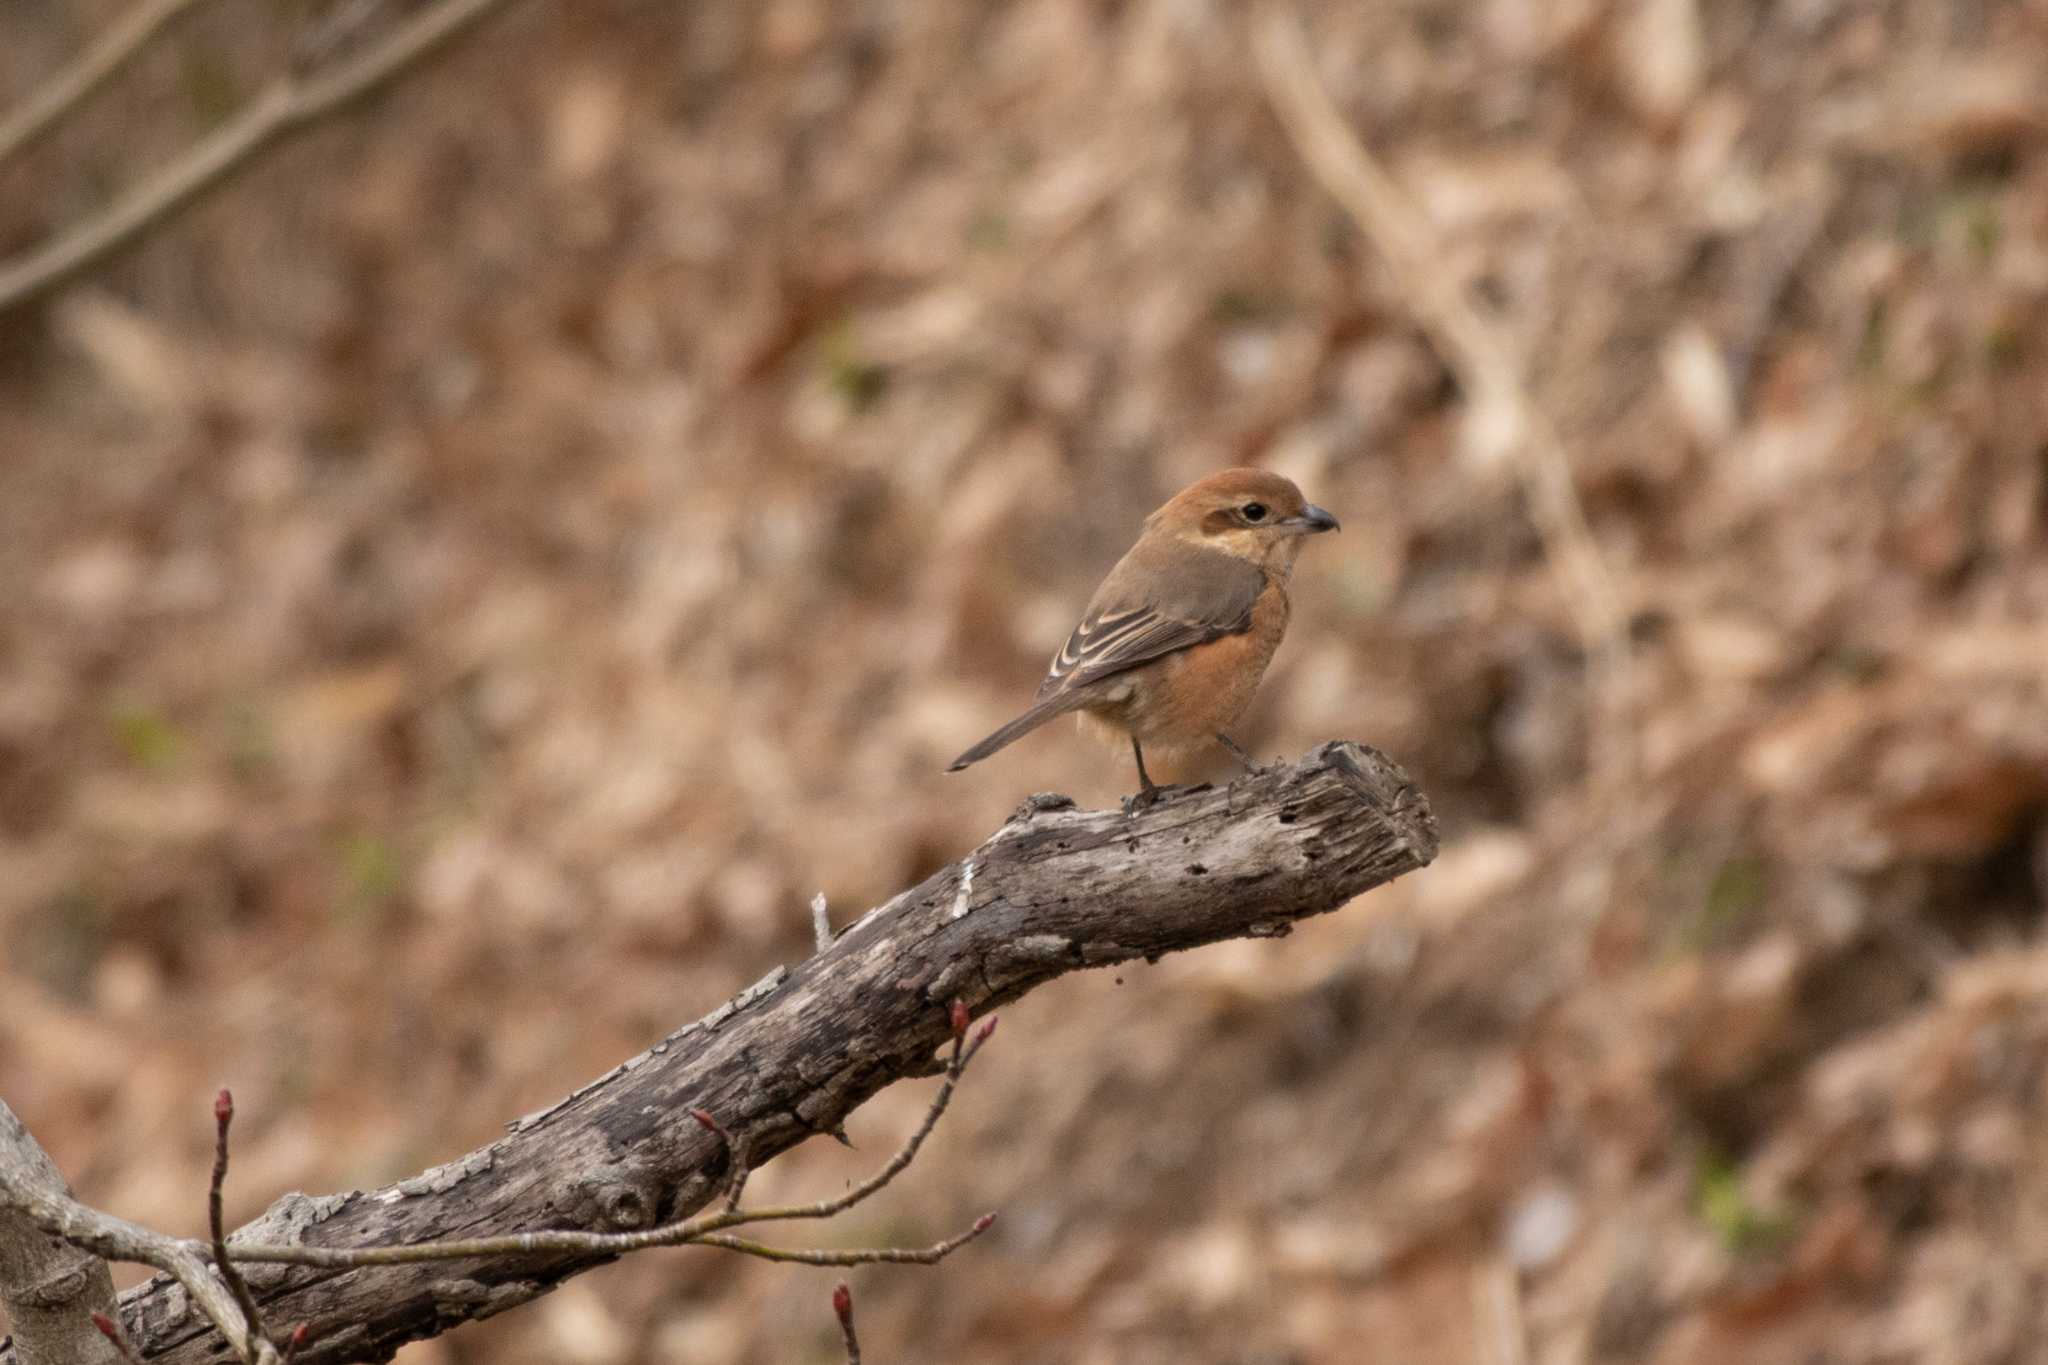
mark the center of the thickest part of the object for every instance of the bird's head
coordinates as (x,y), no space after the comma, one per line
(1251,513)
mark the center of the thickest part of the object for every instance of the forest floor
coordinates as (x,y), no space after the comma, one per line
(467,586)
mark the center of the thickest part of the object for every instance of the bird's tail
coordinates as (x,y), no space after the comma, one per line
(1056,705)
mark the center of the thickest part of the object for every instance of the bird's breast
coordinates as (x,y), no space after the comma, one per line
(1185,698)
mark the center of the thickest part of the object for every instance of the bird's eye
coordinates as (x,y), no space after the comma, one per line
(1254,511)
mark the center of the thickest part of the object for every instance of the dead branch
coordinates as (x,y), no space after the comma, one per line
(622,1162)
(291,104)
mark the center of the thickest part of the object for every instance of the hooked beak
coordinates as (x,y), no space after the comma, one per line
(1311,520)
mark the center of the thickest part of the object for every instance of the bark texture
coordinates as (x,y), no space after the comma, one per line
(1056,889)
(50,1288)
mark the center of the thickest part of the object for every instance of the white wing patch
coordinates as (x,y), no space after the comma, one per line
(1098,639)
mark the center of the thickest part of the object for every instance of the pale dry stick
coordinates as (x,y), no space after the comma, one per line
(289,105)
(821,924)
(72,86)
(1485,365)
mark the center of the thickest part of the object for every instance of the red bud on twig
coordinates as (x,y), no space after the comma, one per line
(703,1116)
(223,1106)
(842,1303)
(960,1019)
(988,1027)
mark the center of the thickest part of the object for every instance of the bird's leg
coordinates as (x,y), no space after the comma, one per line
(1227,742)
(1147,793)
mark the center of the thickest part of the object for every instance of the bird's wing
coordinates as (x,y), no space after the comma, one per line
(1158,600)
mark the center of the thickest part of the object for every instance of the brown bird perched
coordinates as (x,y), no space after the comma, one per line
(1174,642)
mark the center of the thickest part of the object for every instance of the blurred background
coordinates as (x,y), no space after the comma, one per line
(467,585)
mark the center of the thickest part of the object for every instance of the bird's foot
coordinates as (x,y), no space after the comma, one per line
(1138,802)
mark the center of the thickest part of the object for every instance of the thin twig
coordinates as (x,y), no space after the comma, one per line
(289,105)
(842,1308)
(1485,364)
(931,1255)
(70,87)
(245,1299)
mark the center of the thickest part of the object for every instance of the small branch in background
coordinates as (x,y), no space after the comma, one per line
(842,1307)
(323,39)
(1786,245)
(72,86)
(1485,364)
(290,105)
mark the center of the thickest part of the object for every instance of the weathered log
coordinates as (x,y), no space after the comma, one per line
(1054,890)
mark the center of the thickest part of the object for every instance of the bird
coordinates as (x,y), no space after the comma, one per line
(1174,643)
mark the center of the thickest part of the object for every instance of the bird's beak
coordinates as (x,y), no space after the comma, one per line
(1311,520)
